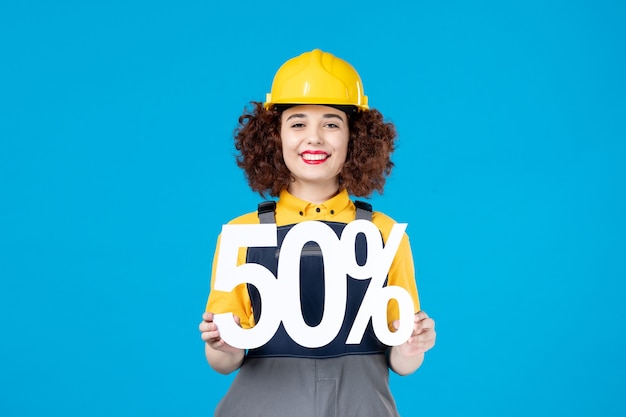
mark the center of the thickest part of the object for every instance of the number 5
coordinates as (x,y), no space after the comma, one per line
(228,275)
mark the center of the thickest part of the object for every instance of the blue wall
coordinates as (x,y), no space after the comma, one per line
(117,172)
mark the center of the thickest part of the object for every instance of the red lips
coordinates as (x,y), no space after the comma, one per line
(314,157)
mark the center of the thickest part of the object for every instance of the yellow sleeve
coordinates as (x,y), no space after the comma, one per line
(238,300)
(402,270)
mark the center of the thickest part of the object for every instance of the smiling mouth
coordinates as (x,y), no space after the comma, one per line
(314,157)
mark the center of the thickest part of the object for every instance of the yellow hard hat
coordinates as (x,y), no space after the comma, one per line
(317,77)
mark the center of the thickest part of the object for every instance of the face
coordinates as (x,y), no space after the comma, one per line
(315,143)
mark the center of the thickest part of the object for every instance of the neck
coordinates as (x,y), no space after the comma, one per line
(315,194)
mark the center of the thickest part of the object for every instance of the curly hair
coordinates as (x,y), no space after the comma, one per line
(368,161)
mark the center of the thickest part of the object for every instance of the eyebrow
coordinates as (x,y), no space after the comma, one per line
(325,116)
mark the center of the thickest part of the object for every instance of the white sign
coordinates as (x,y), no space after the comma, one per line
(281,295)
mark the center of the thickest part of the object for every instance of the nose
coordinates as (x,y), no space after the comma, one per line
(315,136)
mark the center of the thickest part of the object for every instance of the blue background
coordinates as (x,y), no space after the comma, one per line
(117,172)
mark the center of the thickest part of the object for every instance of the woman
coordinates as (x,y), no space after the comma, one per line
(313,143)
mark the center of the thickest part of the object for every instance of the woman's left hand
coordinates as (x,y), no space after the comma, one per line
(422,338)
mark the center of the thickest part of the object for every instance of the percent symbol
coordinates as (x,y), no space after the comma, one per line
(377,297)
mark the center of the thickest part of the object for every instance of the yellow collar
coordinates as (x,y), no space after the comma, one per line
(291,209)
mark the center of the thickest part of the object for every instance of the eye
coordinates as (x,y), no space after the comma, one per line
(297,125)
(332,125)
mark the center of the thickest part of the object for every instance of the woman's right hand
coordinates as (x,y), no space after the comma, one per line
(211,334)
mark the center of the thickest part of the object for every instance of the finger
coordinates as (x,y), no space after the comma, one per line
(426,334)
(417,329)
(427,324)
(423,341)
(426,339)
(424,325)
(421,315)
(207,316)
(207,326)
(210,336)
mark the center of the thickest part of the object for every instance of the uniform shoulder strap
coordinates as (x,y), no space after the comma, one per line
(363,210)
(266,211)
